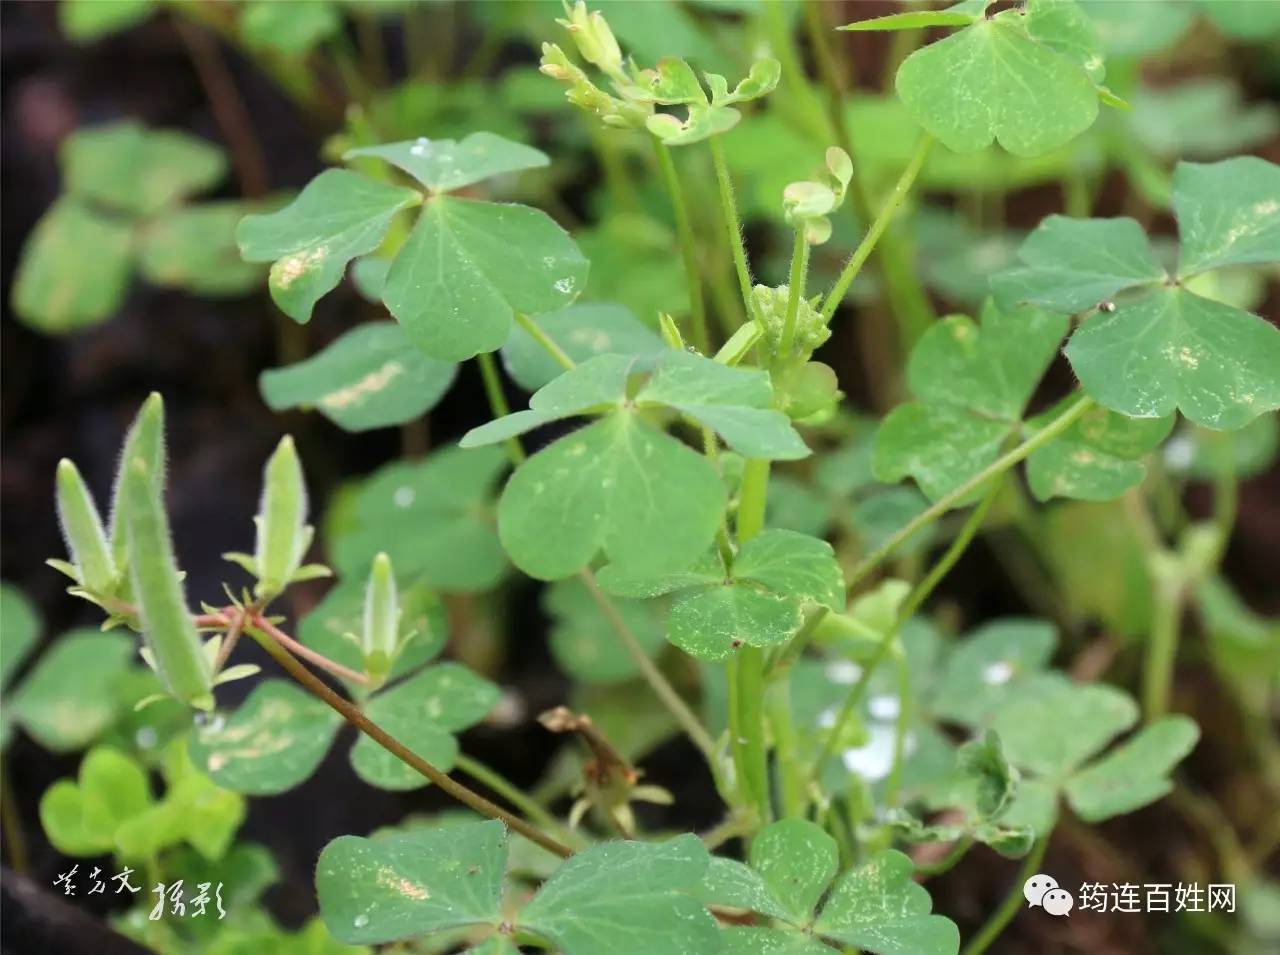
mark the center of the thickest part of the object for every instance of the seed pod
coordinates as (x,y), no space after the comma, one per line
(145,440)
(82,529)
(283,535)
(167,626)
(381,619)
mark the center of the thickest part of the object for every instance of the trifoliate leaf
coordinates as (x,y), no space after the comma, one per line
(997,781)
(973,384)
(583,330)
(423,712)
(1076,264)
(195,249)
(746,940)
(1022,79)
(73,270)
(1228,213)
(20,624)
(630,893)
(406,884)
(469,266)
(796,860)
(81,817)
(292,29)
(583,640)
(434,518)
(879,908)
(273,742)
(1172,350)
(1050,725)
(443,165)
(131,169)
(74,693)
(988,665)
(1134,774)
(1096,458)
(338,216)
(371,377)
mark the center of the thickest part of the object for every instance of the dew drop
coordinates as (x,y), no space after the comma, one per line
(420,147)
(403,496)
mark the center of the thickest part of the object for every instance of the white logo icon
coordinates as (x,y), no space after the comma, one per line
(1043,890)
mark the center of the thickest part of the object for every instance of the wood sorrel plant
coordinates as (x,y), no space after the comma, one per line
(663,505)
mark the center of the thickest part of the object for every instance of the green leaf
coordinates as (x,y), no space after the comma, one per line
(1050,725)
(86,20)
(630,893)
(73,694)
(73,270)
(583,641)
(1202,118)
(443,165)
(879,908)
(793,564)
(407,884)
(608,487)
(997,781)
(327,628)
(989,665)
(434,518)
(1228,213)
(1020,81)
(291,29)
(20,625)
(1134,774)
(339,215)
(1218,365)
(469,266)
(583,330)
(1202,454)
(371,377)
(81,818)
(1141,27)
(797,861)
(960,15)
(273,742)
(1242,19)
(131,169)
(711,624)
(195,249)
(422,712)
(1074,264)
(745,940)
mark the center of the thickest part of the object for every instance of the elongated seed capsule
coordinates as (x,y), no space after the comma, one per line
(381,619)
(144,439)
(282,532)
(167,626)
(82,529)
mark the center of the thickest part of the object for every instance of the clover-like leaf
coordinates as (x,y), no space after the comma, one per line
(405,884)
(20,624)
(1134,774)
(81,817)
(270,744)
(583,640)
(468,267)
(1022,78)
(338,216)
(1228,213)
(371,377)
(758,600)
(73,270)
(134,170)
(443,165)
(631,893)
(423,712)
(996,780)
(291,30)
(796,861)
(194,248)
(972,384)
(1096,458)
(74,692)
(583,330)
(985,667)
(749,940)
(879,908)
(434,518)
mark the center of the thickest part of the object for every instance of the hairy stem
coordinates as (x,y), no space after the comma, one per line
(733,225)
(353,715)
(688,246)
(882,220)
(1002,916)
(795,291)
(256,621)
(746,667)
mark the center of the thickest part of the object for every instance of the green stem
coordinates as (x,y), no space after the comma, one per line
(1058,425)
(498,401)
(688,246)
(1002,916)
(795,291)
(882,220)
(949,861)
(1162,649)
(800,92)
(499,784)
(733,225)
(791,775)
(746,666)
(545,340)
